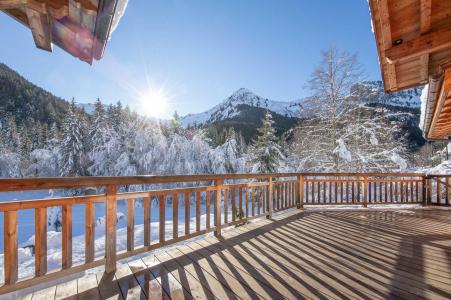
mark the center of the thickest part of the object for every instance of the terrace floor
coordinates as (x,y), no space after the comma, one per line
(329,254)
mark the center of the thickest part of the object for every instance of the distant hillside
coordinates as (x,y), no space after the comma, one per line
(27,102)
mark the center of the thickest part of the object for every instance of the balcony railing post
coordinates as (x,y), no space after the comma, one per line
(364,190)
(218,196)
(300,192)
(270,198)
(424,191)
(110,228)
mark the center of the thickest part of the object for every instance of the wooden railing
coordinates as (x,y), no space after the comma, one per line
(438,191)
(227,200)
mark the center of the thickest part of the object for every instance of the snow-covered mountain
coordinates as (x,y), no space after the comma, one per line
(232,106)
(370,92)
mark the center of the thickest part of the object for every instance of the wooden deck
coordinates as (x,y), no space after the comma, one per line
(374,254)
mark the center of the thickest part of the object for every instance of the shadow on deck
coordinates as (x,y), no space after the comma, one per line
(337,254)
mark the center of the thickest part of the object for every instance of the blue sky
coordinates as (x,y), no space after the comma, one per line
(201,51)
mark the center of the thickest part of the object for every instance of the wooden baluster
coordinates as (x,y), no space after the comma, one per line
(89,232)
(218,186)
(358,191)
(207,208)
(246,195)
(66,235)
(417,190)
(330,192)
(40,247)
(380,192)
(233,204)
(402,188)
(341,191)
(386,192)
(259,199)
(198,211)
(226,205)
(130,224)
(353,192)
(240,195)
(252,201)
(147,216)
(175,216)
(335,192)
(369,191)
(411,191)
(270,197)
(318,191)
(187,212)
(10,257)
(162,228)
(301,192)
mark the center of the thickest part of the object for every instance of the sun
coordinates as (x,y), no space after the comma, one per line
(154,102)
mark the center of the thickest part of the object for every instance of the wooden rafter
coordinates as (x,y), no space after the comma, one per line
(425,27)
(441,118)
(40,25)
(386,39)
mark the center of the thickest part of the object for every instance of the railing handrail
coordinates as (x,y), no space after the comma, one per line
(43,183)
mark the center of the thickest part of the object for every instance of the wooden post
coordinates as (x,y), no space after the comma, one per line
(270,198)
(110,228)
(146,207)
(40,242)
(10,258)
(301,192)
(364,184)
(89,232)
(218,185)
(67,237)
(130,224)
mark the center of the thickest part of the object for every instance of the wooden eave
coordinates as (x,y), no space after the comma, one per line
(80,27)
(413,40)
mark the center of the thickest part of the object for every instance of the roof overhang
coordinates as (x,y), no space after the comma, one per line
(414,47)
(80,27)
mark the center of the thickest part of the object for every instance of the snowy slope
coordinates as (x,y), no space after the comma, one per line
(369,92)
(372,92)
(230,107)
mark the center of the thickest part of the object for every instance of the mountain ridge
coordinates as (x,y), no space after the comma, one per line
(368,92)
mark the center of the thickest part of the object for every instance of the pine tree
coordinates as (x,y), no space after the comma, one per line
(265,152)
(176,123)
(72,149)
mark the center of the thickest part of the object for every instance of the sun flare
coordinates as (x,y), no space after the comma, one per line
(154,103)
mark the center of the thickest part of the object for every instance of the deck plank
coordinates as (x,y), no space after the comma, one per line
(314,254)
(149,284)
(169,283)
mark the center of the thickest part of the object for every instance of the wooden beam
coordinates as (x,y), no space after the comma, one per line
(424,44)
(386,39)
(41,27)
(12,4)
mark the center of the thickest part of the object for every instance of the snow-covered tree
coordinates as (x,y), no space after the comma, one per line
(265,153)
(330,84)
(72,147)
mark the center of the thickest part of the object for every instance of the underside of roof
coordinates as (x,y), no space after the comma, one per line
(80,27)
(414,46)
